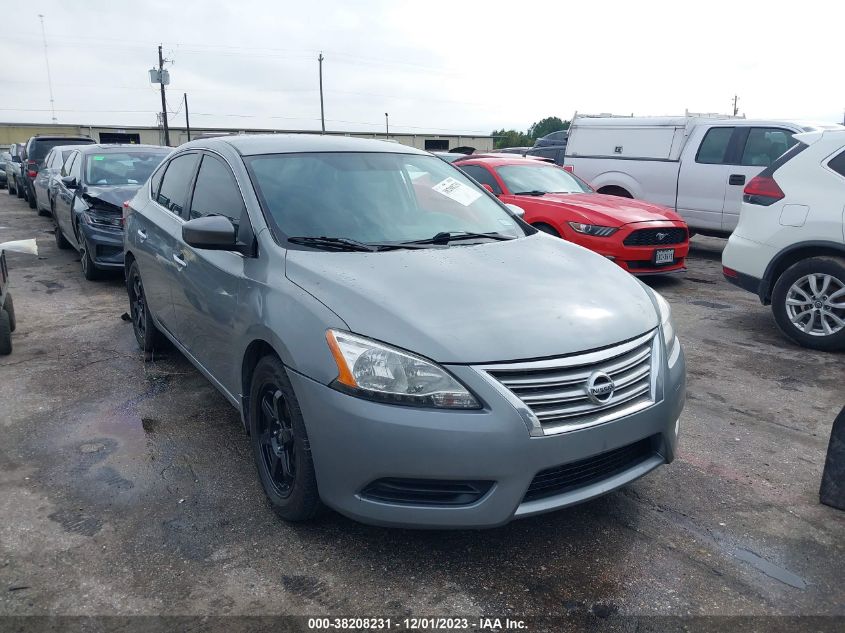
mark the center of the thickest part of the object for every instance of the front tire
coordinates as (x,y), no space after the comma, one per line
(146,333)
(280,443)
(89,268)
(808,302)
(5,334)
(9,307)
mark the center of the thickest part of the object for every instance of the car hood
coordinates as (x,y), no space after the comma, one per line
(112,196)
(533,297)
(598,208)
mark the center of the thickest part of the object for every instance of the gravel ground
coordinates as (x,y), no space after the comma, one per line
(127,487)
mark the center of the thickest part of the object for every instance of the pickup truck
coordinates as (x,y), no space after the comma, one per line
(697,165)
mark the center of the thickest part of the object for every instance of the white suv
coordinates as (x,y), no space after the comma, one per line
(789,246)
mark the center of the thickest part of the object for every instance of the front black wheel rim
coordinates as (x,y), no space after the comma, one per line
(139,307)
(276,440)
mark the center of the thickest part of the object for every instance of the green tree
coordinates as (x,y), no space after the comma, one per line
(511,138)
(547,126)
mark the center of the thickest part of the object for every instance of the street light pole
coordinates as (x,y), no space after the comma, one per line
(386,125)
(322,113)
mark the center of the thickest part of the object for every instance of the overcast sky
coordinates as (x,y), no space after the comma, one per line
(455,66)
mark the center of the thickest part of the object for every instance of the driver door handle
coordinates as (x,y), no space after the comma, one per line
(180,261)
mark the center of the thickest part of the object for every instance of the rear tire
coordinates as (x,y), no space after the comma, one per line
(30,197)
(546,228)
(19,190)
(5,334)
(811,294)
(280,444)
(9,307)
(146,333)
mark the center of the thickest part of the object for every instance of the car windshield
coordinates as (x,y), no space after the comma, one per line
(39,149)
(374,197)
(122,168)
(537,178)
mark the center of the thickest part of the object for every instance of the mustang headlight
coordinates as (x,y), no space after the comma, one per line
(372,370)
(665,319)
(593,229)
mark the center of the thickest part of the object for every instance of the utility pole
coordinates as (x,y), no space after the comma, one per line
(47,61)
(187,118)
(386,125)
(736,108)
(163,100)
(322,113)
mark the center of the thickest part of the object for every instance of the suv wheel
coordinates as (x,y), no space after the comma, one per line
(280,443)
(146,333)
(808,302)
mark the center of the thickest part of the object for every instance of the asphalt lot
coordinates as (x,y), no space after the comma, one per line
(127,487)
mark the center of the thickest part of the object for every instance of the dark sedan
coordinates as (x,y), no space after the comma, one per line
(88,206)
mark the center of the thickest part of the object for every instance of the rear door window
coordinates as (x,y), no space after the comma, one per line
(837,164)
(764,145)
(216,192)
(173,191)
(714,147)
(481,175)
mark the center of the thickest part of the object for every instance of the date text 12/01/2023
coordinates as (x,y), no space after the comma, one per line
(413,624)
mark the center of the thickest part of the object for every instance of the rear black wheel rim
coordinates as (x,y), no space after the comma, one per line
(139,307)
(276,440)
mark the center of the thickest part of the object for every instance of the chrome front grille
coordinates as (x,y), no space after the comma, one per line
(556,390)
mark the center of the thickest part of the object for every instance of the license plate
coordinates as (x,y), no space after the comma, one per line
(664,256)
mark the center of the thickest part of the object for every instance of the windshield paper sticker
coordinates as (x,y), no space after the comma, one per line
(457,191)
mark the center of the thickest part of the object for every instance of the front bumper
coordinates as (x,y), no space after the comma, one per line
(637,260)
(355,442)
(105,245)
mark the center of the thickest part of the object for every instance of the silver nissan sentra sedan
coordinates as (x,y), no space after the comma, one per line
(401,346)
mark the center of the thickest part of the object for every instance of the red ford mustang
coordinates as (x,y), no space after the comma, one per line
(642,238)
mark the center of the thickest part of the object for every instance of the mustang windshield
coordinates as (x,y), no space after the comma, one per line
(374,197)
(538,179)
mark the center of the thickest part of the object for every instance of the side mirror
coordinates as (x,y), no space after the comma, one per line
(488,187)
(213,233)
(517,211)
(69,182)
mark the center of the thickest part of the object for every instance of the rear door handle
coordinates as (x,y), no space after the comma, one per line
(736,179)
(142,234)
(180,262)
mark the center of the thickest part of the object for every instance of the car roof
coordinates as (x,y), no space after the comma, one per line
(120,147)
(498,162)
(255,144)
(61,138)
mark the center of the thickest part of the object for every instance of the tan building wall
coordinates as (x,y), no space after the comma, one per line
(20,132)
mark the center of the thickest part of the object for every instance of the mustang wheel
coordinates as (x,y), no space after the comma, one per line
(146,333)
(280,443)
(808,302)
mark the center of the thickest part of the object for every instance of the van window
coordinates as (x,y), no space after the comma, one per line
(765,144)
(481,175)
(714,147)
(174,186)
(216,192)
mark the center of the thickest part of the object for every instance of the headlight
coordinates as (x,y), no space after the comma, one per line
(593,229)
(665,319)
(376,371)
(98,218)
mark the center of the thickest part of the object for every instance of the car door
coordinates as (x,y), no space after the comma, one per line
(704,173)
(155,235)
(42,181)
(63,204)
(205,296)
(755,149)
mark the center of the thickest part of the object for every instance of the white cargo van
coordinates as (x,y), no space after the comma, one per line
(694,164)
